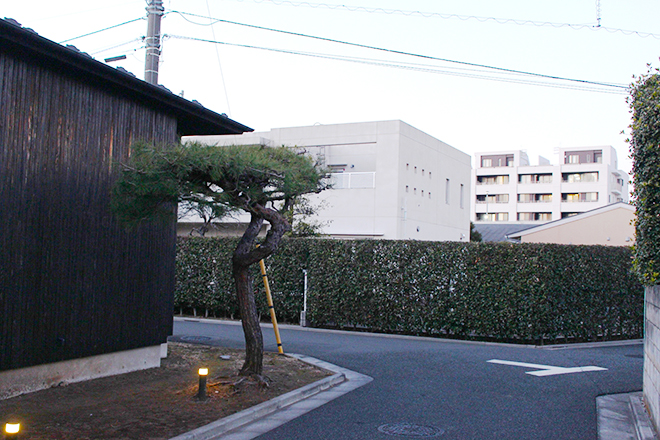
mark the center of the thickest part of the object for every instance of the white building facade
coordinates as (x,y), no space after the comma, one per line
(390,180)
(508,189)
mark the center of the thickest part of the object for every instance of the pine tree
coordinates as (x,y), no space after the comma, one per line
(261,181)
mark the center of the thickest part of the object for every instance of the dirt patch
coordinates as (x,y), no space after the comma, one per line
(158,403)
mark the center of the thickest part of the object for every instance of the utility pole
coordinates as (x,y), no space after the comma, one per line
(154,13)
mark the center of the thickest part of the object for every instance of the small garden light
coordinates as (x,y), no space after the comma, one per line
(201,393)
(12,430)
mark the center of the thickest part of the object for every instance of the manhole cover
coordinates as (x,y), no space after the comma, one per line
(410,430)
(195,338)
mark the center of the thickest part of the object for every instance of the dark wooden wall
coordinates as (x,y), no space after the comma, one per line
(74,283)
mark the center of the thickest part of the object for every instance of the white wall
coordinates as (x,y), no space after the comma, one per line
(652,352)
(378,152)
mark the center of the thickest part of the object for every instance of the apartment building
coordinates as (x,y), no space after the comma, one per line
(507,188)
(390,180)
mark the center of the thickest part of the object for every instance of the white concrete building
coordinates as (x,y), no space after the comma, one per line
(508,189)
(391,180)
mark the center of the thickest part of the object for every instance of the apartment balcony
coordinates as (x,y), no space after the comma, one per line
(485,208)
(534,202)
(500,183)
(578,207)
(353,180)
(536,188)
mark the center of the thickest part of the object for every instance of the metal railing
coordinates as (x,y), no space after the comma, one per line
(353,180)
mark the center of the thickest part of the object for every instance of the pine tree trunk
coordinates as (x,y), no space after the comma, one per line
(254,343)
(245,255)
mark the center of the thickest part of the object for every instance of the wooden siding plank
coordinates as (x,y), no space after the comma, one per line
(73,282)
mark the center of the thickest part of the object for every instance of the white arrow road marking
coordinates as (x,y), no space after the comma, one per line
(547,370)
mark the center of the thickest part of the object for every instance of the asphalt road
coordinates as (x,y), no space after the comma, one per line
(447,387)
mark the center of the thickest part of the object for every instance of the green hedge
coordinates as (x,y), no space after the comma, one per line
(204,283)
(503,291)
(645,107)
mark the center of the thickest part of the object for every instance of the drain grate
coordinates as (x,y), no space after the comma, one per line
(410,430)
(195,338)
(638,356)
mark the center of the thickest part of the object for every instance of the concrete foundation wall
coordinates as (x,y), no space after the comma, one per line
(652,353)
(27,380)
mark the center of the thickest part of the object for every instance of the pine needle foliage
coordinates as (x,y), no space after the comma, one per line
(219,180)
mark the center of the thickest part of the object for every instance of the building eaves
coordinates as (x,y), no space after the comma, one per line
(493,232)
(192,117)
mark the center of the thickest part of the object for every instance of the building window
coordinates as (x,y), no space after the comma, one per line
(568,214)
(534,198)
(534,216)
(493,217)
(579,177)
(579,197)
(447,192)
(587,156)
(500,160)
(492,180)
(493,198)
(461,196)
(535,178)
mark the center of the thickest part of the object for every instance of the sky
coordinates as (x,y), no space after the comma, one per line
(449,90)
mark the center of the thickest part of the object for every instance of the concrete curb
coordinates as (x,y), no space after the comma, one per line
(261,418)
(623,417)
(576,345)
(579,345)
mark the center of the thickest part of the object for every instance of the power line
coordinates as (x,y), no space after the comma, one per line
(118,46)
(217,54)
(457,16)
(101,30)
(398,52)
(589,87)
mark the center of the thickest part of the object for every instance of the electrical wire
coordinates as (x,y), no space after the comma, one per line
(593,87)
(118,46)
(519,22)
(217,54)
(101,30)
(398,52)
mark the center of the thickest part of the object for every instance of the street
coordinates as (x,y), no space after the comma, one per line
(447,389)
